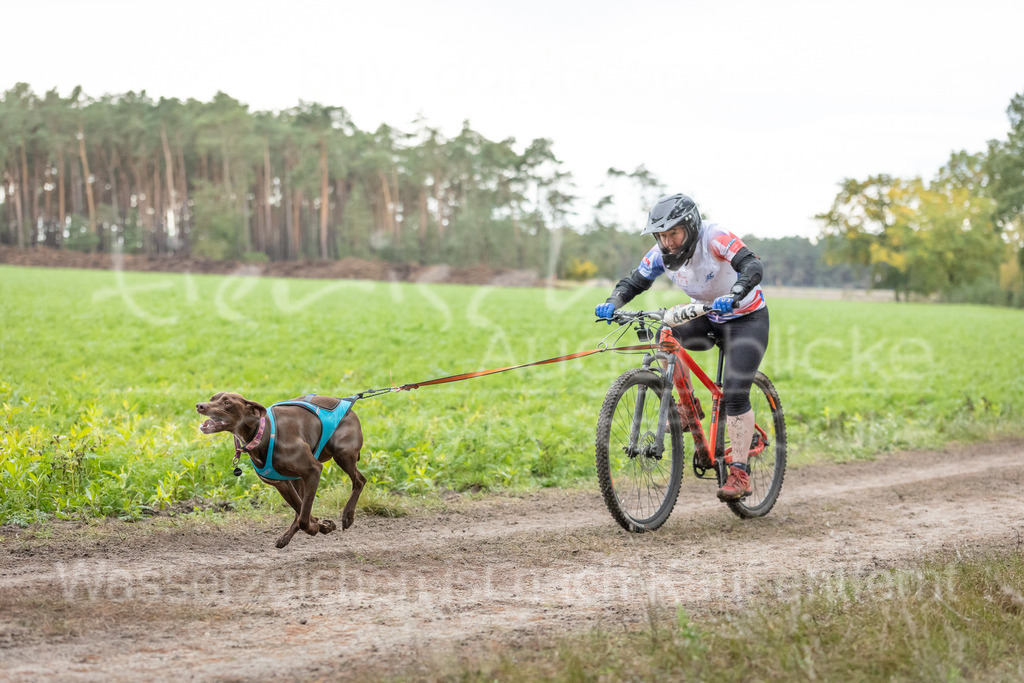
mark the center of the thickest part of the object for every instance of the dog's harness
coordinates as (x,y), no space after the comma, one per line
(330,418)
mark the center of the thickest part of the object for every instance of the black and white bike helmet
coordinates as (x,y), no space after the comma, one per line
(668,212)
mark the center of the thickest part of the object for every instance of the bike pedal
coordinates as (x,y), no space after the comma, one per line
(734,500)
(702,472)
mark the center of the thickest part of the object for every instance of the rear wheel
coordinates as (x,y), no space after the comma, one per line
(767,458)
(639,484)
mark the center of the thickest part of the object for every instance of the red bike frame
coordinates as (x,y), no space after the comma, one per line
(684,388)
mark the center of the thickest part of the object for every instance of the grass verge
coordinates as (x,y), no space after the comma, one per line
(947,619)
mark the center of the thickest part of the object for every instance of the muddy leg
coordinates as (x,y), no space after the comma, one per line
(308,492)
(358,481)
(300,493)
(287,537)
(293,493)
(288,492)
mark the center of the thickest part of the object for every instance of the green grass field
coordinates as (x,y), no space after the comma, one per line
(100,372)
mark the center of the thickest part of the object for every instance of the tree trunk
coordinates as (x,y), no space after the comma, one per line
(37,185)
(19,213)
(125,199)
(76,189)
(142,200)
(172,201)
(325,199)
(396,220)
(26,200)
(517,234)
(5,210)
(257,217)
(226,170)
(289,246)
(10,216)
(159,211)
(115,204)
(93,224)
(387,212)
(61,201)
(184,216)
(380,219)
(246,223)
(48,221)
(424,222)
(440,204)
(268,214)
(343,189)
(117,191)
(297,224)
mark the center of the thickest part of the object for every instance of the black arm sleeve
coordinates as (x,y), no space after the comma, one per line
(628,287)
(750,272)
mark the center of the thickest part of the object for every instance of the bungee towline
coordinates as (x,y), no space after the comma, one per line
(482,373)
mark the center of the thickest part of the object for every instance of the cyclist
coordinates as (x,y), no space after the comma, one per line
(713,266)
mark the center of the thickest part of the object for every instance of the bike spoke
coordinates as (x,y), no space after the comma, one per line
(640,480)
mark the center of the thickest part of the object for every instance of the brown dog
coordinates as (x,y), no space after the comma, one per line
(295,432)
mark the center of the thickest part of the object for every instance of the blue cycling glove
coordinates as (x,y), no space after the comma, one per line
(723,304)
(605,311)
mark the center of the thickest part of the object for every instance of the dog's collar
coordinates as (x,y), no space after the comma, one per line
(239,448)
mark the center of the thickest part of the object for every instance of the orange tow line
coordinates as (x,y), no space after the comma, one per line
(494,371)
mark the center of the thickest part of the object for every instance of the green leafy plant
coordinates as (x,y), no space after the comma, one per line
(107,426)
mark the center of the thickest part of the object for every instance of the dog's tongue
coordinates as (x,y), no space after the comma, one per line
(208,426)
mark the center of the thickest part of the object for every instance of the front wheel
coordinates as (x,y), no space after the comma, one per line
(639,480)
(767,457)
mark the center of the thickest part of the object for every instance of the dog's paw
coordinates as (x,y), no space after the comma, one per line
(327,526)
(283,541)
(347,519)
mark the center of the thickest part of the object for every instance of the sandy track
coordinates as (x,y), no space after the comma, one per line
(183,598)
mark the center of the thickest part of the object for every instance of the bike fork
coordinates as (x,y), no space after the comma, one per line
(665,414)
(638,414)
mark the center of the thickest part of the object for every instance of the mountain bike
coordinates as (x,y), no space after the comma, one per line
(642,443)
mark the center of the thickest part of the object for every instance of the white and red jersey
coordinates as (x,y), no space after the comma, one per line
(709,273)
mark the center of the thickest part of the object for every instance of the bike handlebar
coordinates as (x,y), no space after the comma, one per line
(625,317)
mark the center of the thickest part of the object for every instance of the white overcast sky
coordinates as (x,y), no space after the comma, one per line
(756,109)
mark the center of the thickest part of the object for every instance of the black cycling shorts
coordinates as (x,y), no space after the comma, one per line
(744,342)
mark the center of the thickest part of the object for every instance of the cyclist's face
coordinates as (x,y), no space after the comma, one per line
(673,239)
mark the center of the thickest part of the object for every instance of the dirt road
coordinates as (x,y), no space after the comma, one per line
(189,598)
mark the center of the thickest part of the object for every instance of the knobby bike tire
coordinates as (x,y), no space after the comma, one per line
(639,490)
(767,469)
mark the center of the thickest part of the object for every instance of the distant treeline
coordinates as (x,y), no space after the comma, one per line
(213,179)
(788,261)
(799,262)
(958,236)
(216,180)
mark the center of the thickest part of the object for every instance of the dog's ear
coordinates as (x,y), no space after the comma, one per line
(255,408)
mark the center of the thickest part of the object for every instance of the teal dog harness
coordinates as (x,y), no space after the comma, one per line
(330,418)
